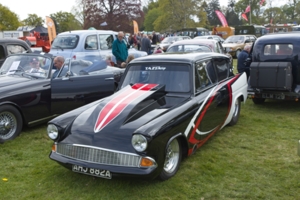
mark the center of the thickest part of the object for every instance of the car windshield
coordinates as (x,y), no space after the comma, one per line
(171,39)
(32,65)
(175,77)
(234,39)
(189,48)
(65,42)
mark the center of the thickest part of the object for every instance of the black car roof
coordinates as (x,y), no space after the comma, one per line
(176,57)
(279,37)
(8,40)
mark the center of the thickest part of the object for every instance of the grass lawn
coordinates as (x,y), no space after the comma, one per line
(255,159)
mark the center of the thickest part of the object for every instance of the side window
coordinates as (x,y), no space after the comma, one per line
(14,48)
(2,52)
(202,77)
(106,41)
(91,42)
(222,68)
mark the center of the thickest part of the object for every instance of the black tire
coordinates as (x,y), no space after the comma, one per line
(236,114)
(172,159)
(11,123)
(237,53)
(258,100)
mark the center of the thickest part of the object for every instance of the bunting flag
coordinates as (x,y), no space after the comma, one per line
(51,29)
(221,18)
(244,16)
(135,27)
(261,2)
(247,9)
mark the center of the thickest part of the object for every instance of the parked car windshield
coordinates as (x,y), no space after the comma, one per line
(65,42)
(189,48)
(234,39)
(26,64)
(175,77)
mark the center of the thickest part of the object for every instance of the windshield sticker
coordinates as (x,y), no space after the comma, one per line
(155,68)
(14,67)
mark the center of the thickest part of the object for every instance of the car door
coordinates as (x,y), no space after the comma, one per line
(215,106)
(72,90)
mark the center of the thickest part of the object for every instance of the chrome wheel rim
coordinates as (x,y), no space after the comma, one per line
(172,157)
(8,125)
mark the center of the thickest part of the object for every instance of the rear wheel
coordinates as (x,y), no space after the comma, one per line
(172,160)
(258,100)
(10,123)
(237,53)
(236,114)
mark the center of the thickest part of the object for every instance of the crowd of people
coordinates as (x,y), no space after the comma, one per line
(139,41)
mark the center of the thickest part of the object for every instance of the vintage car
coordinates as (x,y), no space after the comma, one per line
(275,68)
(30,96)
(235,44)
(199,45)
(92,45)
(166,42)
(167,106)
(214,37)
(12,46)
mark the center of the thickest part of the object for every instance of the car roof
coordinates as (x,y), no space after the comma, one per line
(279,37)
(242,35)
(6,40)
(196,42)
(177,57)
(87,32)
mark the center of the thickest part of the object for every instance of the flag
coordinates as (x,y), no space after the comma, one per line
(103,24)
(244,16)
(51,29)
(247,9)
(221,18)
(261,2)
(135,27)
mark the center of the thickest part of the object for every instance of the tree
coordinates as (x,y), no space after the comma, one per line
(33,20)
(117,14)
(150,18)
(231,16)
(78,11)
(8,19)
(65,22)
(211,14)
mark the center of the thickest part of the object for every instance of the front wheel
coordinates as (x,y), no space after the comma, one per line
(10,123)
(258,100)
(236,114)
(172,160)
(237,53)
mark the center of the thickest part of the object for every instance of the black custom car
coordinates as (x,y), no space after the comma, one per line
(167,107)
(32,97)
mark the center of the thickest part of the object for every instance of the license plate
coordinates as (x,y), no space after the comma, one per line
(92,171)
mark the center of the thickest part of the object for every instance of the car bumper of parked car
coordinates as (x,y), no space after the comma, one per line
(114,171)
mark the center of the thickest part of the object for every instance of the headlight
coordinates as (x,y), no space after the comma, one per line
(139,142)
(52,131)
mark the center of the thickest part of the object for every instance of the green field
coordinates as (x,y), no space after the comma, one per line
(255,159)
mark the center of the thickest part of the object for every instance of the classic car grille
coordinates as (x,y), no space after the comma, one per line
(98,155)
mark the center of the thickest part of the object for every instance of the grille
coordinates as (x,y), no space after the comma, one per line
(98,155)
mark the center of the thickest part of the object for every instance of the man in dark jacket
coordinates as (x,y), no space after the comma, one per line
(241,61)
(119,49)
(146,44)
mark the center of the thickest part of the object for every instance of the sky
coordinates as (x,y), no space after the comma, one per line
(41,8)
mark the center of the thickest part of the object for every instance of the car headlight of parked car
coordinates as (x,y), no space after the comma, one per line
(52,131)
(139,142)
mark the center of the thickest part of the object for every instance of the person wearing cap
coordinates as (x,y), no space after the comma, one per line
(35,66)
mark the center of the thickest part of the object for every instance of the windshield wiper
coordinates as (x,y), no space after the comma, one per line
(59,47)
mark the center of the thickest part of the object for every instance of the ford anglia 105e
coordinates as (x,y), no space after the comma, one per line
(167,106)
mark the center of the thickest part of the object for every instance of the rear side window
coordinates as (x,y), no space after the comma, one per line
(14,48)
(65,42)
(91,42)
(2,52)
(222,68)
(106,41)
(278,49)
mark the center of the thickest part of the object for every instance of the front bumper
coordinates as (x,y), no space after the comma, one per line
(117,163)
